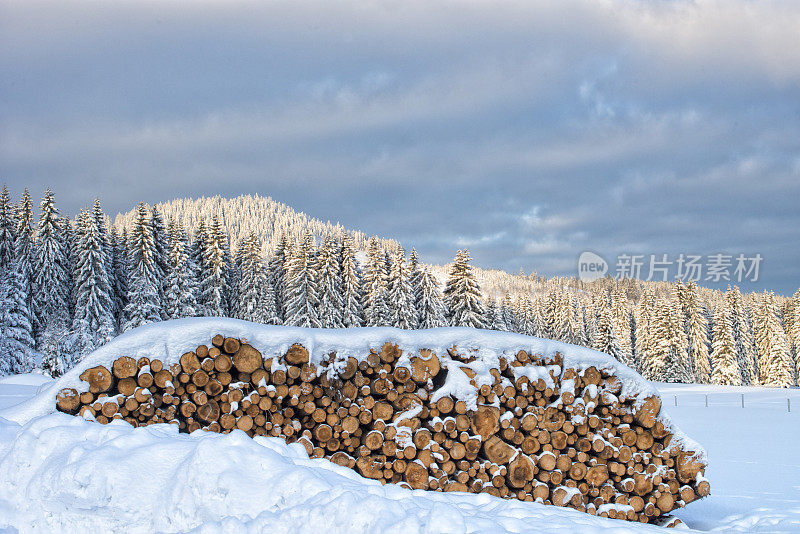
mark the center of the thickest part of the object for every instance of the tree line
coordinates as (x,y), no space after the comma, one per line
(68,286)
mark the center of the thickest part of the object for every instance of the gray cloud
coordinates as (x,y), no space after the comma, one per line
(528,131)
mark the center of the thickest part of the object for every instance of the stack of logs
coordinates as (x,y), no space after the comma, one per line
(569,439)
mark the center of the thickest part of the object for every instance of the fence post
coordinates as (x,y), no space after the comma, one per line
(742,400)
(706,400)
(788,405)
(676,400)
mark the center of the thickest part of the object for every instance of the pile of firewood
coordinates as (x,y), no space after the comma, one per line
(539,432)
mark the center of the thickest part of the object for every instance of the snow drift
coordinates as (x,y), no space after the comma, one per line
(472,359)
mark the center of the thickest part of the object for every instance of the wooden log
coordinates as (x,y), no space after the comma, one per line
(424,366)
(218,340)
(296,355)
(99,379)
(486,421)
(247,359)
(498,451)
(190,362)
(416,475)
(648,412)
(125,367)
(68,400)
(209,412)
(520,471)
(161,378)
(126,386)
(231,345)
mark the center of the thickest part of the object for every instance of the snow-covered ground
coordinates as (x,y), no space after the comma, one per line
(61,473)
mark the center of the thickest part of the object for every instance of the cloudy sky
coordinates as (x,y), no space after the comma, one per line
(528,131)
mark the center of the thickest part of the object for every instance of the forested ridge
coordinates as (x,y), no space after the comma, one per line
(68,285)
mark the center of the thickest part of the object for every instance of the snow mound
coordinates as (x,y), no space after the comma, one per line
(60,473)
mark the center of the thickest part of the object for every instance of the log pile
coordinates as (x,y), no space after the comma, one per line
(531,430)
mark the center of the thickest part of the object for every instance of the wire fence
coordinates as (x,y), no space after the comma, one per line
(732,400)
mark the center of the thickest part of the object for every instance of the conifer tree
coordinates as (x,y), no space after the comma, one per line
(215,275)
(255,300)
(70,251)
(645,335)
(301,286)
(745,349)
(376,311)
(674,346)
(17,354)
(400,296)
(161,247)
(621,319)
(8,230)
(197,261)
(352,294)
(93,324)
(181,287)
(794,331)
(509,317)
(143,301)
(775,364)
(25,247)
(119,279)
(697,329)
(414,272)
(723,350)
(495,313)
(108,247)
(277,269)
(605,339)
(51,295)
(430,306)
(462,295)
(331,305)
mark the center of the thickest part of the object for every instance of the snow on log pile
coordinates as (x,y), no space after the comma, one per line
(449,409)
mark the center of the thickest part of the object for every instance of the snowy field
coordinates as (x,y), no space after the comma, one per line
(62,473)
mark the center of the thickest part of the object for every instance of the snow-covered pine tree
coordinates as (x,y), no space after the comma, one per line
(256,302)
(794,332)
(93,324)
(70,252)
(17,354)
(119,279)
(376,311)
(742,333)
(621,320)
(197,259)
(645,335)
(495,314)
(509,315)
(215,275)
(550,326)
(277,269)
(605,339)
(462,295)
(414,272)
(181,287)
(51,279)
(697,330)
(25,247)
(774,361)
(674,346)
(329,278)
(160,256)
(143,301)
(352,295)
(723,350)
(108,247)
(400,297)
(430,306)
(8,230)
(301,286)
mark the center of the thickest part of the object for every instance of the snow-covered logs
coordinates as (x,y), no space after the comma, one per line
(529,429)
